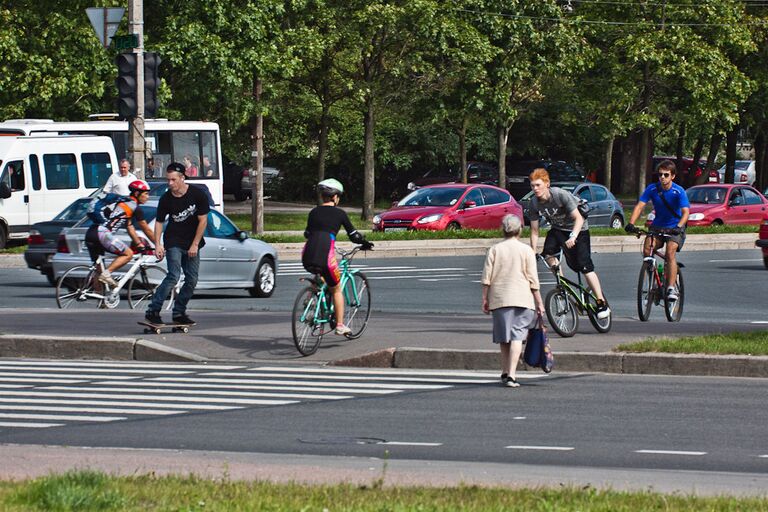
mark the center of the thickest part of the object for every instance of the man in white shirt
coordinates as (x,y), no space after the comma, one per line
(119,181)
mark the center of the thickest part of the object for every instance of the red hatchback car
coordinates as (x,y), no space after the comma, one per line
(449,206)
(762,241)
(725,204)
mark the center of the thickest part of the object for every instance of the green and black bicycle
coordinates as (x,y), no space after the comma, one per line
(568,300)
(313,313)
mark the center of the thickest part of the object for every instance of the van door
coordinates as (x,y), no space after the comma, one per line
(14,181)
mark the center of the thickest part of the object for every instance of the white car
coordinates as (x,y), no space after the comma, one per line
(229,259)
(743,172)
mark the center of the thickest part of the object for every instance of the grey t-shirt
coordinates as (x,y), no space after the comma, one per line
(557,209)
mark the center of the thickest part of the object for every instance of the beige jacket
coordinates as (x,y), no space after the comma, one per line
(510,271)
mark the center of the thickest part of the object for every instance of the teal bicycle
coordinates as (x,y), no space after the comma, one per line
(568,300)
(313,313)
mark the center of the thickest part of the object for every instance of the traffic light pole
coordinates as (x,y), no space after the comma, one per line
(136,143)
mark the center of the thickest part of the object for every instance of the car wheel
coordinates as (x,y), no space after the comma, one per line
(717,222)
(765,261)
(49,276)
(453,226)
(3,237)
(240,195)
(265,279)
(616,222)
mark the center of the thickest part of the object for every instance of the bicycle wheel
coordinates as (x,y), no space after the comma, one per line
(646,289)
(600,324)
(141,287)
(307,334)
(77,289)
(561,313)
(674,309)
(357,305)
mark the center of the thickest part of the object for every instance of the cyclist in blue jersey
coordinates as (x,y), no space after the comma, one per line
(672,208)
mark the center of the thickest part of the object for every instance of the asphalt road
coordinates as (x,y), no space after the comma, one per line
(692,426)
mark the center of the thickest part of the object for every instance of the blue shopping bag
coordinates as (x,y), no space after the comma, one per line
(538,353)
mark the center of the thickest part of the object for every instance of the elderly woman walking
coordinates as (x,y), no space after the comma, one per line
(511,291)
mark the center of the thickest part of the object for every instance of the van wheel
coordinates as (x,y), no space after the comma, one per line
(3,237)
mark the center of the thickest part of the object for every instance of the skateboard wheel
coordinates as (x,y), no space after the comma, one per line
(157,331)
(185,330)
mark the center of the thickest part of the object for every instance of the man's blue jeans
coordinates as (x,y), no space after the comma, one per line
(177,260)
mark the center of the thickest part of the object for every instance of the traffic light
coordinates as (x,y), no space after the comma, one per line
(126,85)
(151,83)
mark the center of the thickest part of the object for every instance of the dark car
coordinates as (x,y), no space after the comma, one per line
(477,172)
(233,176)
(518,172)
(43,236)
(604,209)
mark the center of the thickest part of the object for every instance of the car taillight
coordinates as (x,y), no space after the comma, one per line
(35,238)
(246,173)
(61,244)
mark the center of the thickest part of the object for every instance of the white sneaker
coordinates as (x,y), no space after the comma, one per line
(343,330)
(106,278)
(671,294)
(603,311)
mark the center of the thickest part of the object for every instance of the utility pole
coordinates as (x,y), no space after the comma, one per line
(136,144)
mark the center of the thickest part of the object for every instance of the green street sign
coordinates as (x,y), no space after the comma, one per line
(126,42)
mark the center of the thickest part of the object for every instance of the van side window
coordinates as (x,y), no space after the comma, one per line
(60,171)
(97,167)
(34,166)
(13,175)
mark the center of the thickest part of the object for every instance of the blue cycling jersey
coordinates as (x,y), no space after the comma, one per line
(676,198)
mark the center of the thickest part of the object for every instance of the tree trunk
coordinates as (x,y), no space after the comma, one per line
(684,180)
(714,147)
(697,150)
(463,148)
(608,161)
(257,163)
(323,146)
(502,134)
(760,150)
(368,179)
(645,158)
(730,153)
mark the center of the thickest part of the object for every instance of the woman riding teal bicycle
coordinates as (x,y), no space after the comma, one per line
(319,253)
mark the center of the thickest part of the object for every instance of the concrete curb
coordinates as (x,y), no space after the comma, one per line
(78,347)
(654,363)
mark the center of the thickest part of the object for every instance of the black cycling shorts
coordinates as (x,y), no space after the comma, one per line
(579,258)
(678,239)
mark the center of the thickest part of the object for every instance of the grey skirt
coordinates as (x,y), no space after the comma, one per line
(512,324)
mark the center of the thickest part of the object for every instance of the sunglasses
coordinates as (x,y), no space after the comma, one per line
(665,174)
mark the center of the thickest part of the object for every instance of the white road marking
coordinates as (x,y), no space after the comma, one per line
(546,448)
(366,372)
(375,278)
(733,261)
(125,396)
(121,366)
(47,381)
(759,322)
(670,452)
(94,370)
(182,407)
(95,410)
(357,385)
(406,443)
(78,376)
(100,419)
(25,424)
(374,270)
(305,388)
(440,279)
(198,392)
(353,377)
(15,386)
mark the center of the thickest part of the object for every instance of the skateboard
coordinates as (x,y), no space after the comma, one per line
(158,328)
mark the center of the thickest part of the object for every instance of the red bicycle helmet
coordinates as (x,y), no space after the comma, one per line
(138,186)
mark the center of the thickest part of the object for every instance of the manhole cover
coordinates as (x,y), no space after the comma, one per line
(342,440)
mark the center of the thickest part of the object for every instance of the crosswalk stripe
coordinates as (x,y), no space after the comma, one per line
(95,370)
(203,392)
(338,376)
(78,376)
(76,417)
(123,403)
(305,388)
(103,410)
(124,365)
(362,385)
(46,381)
(27,424)
(127,396)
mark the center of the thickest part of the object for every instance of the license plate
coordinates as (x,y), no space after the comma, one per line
(394,229)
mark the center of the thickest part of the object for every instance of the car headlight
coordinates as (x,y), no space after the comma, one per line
(411,186)
(430,218)
(696,216)
(376,219)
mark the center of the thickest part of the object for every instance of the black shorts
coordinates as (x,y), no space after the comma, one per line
(579,258)
(678,239)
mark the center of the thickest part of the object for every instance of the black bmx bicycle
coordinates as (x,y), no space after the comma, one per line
(652,283)
(568,300)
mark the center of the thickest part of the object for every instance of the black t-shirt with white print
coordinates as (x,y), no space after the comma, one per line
(182,215)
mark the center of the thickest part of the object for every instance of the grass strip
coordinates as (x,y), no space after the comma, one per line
(93,491)
(738,343)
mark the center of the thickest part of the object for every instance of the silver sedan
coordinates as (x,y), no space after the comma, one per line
(229,259)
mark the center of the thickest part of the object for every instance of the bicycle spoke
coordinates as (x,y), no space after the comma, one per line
(306,329)
(357,311)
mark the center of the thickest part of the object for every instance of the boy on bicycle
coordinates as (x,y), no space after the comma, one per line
(569,232)
(319,253)
(108,218)
(672,209)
